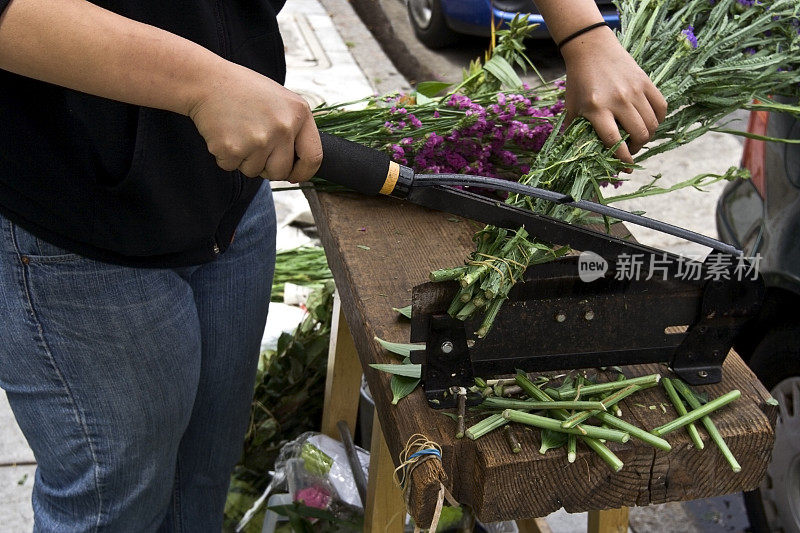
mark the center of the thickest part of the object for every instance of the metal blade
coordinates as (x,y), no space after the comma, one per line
(432,180)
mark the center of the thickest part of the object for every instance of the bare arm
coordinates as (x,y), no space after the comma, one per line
(248,121)
(604,83)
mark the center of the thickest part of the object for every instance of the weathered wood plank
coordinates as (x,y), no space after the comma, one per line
(405,243)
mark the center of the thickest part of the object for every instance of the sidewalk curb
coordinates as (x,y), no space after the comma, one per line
(364,21)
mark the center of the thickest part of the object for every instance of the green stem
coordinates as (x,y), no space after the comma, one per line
(447,274)
(485,426)
(711,428)
(637,432)
(618,396)
(698,413)
(681,409)
(512,440)
(510,403)
(491,314)
(609,457)
(572,448)
(548,423)
(466,311)
(590,390)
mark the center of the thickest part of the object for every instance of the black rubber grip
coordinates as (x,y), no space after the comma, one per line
(353,165)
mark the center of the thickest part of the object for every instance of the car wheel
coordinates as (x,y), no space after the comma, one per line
(775,505)
(429,24)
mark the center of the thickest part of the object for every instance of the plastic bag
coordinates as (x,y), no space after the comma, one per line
(314,468)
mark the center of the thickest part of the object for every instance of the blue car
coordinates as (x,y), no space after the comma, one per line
(438,23)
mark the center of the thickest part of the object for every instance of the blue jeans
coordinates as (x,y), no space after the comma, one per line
(133,386)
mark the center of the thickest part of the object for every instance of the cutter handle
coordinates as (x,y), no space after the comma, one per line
(363,169)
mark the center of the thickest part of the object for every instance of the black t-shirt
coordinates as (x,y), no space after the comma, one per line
(129,184)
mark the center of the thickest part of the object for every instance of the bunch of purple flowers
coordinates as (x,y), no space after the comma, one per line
(497,140)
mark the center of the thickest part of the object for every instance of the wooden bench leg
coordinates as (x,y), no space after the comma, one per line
(385,511)
(608,521)
(533,525)
(343,382)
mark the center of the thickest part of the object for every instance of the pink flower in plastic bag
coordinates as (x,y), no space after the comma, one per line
(314,496)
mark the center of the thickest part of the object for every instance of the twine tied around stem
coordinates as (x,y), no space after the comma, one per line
(419,449)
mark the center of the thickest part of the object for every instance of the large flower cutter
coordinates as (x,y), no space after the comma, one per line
(617,303)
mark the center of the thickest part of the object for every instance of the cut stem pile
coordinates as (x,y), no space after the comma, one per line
(561,420)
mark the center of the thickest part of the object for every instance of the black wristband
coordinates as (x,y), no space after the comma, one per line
(580,32)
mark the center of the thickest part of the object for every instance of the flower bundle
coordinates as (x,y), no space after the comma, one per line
(708,58)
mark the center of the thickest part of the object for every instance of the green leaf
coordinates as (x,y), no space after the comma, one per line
(431,88)
(503,71)
(402,386)
(405,311)
(551,440)
(451,416)
(403,349)
(422,99)
(409,371)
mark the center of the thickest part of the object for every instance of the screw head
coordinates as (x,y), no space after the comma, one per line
(589,315)
(702,374)
(561,317)
(447,347)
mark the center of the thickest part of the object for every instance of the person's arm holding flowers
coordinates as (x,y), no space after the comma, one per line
(604,83)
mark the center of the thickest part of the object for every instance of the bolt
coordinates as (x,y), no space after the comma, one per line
(447,347)
(702,374)
(561,317)
(589,315)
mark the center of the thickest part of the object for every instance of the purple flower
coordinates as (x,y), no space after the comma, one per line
(687,38)
(436,114)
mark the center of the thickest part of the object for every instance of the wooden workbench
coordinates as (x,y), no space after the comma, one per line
(378,249)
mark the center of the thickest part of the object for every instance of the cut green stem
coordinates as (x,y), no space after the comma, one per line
(447,274)
(611,400)
(636,432)
(485,426)
(548,423)
(712,430)
(512,440)
(590,390)
(510,403)
(698,413)
(609,457)
(681,409)
(572,448)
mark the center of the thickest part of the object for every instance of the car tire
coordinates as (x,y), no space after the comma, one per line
(430,26)
(775,505)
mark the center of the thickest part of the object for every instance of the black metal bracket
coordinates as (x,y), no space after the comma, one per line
(555,321)
(445,360)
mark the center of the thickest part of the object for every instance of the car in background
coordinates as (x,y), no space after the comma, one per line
(438,23)
(761,216)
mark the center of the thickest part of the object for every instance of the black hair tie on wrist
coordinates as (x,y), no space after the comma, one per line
(580,32)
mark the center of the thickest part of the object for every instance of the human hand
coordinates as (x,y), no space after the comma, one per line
(607,87)
(255,125)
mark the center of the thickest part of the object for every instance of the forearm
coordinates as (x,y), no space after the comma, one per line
(76,44)
(564,17)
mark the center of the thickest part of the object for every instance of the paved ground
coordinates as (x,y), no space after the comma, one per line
(332,57)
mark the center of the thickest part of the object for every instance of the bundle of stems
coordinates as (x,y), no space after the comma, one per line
(708,59)
(305,265)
